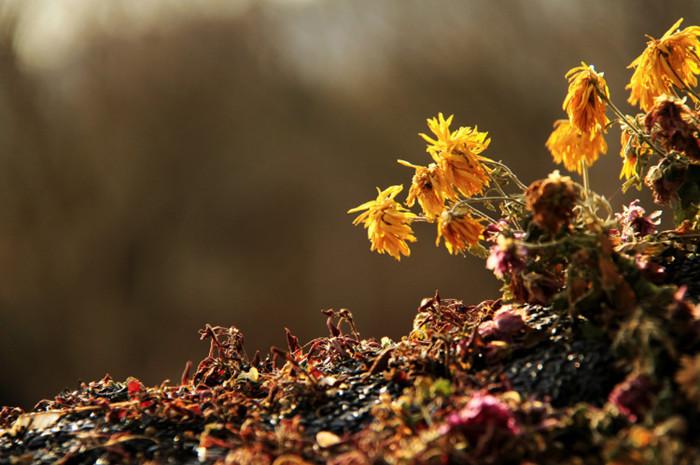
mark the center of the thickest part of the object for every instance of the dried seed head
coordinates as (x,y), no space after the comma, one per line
(552,201)
(665,179)
(671,122)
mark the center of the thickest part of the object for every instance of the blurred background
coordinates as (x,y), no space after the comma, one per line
(164,164)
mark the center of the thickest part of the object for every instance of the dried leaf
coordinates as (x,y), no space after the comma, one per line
(327,439)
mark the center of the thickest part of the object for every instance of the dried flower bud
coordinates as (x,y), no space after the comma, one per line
(506,322)
(635,222)
(669,121)
(633,396)
(494,230)
(506,257)
(665,179)
(483,414)
(552,201)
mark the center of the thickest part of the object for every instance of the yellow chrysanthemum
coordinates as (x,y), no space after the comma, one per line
(459,231)
(629,157)
(584,105)
(457,154)
(669,61)
(388,224)
(428,187)
(570,147)
(463,140)
(463,174)
(631,148)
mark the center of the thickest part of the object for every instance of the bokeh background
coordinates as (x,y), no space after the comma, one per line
(169,163)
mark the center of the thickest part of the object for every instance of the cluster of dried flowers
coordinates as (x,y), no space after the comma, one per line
(591,355)
(462,188)
(446,190)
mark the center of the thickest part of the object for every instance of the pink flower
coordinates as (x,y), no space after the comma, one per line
(483,413)
(494,230)
(505,323)
(635,222)
(506,256)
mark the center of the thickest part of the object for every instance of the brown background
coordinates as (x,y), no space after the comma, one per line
(167,164)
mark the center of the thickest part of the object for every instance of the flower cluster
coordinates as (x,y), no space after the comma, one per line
(579,141)
(460,188)
(665,137)
(446,190)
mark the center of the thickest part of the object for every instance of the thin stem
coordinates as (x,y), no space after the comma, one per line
(506,206)
(631,124)
(584,175)
(491,198)
(542,245)
(683,84)
(498,186)
(508,171)
(473,210)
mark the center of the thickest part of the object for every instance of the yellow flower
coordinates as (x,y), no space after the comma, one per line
(464,174)
(388,224)
(570,147)
(428,187)
(669,61)
(629,157)
(583,103)
(630,150)
(457,154)
(463,140)
(461,232)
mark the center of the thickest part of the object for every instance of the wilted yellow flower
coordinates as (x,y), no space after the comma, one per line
(459,231)
(629,157)
(569,146)
(463,174)
(463,140)
(388,224)
(457,154)
(428,187)
(669,61)
(583,104)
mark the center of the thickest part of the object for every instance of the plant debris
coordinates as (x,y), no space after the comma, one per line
(488,383)
(590,355)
